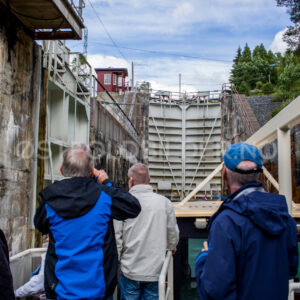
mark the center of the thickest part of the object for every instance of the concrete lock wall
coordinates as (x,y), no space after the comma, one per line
(115,147)
(235,128)
(20,66)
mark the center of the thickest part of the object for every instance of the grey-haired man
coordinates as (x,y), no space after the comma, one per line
(77,213)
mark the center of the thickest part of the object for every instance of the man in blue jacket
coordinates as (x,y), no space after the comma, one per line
(252,246)
(77,213)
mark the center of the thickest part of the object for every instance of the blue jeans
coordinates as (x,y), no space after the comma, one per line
(138,290)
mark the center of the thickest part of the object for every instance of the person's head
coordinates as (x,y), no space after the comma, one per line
(243,164)
(77,161)
(138,174)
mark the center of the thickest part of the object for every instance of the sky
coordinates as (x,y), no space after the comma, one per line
(196,38)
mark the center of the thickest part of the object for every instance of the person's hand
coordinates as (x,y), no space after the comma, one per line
(174,251)
(101,174)
(205,247)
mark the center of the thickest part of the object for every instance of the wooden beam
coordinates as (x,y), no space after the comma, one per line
(58,35)
(271,178)
(197,209)
(76,27)
(201,185)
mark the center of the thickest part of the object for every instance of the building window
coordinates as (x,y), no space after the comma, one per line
(114,79)
(120,81)
(107,79)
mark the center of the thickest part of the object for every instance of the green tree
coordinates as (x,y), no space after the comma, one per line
(238,55)
(244,88)
(246,55)
(292,35)
(260,52)
(289,80)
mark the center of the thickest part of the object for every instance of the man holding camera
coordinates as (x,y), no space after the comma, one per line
(77,213)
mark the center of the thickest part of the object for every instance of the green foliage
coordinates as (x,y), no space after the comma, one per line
(259,85)
(282,106)
(246,55)
(289,79)
(244,88)
(238,55)
(267,88)
(292,35)
(263,72)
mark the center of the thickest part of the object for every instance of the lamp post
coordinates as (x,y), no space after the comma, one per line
(272,65)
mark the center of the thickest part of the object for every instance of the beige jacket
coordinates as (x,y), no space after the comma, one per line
(142,242)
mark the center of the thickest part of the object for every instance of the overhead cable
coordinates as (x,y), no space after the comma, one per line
(106,31)
(165,53)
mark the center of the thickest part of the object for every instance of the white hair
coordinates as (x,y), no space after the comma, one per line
(77,161)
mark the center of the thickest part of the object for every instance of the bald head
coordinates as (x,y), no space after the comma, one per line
(138,174)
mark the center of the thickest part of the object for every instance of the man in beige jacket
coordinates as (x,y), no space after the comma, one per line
(142,242)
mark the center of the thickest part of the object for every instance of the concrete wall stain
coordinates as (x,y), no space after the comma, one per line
(18,54)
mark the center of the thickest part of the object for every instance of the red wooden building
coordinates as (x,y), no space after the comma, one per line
(113,79)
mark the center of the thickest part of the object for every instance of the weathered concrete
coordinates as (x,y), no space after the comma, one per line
(114,147)
(235,128)
(20,63)
(237,125)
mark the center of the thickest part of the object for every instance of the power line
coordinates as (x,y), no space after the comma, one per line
(165,53)
(106,31)
(160,52)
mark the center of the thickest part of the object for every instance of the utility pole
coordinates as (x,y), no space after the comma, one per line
(85,41)
(81,5)
(132,75)
(179,85)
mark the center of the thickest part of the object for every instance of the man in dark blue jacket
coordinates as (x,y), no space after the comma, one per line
(6,281)
(252,246)
(77,213)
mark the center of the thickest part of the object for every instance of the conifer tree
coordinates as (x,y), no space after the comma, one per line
(238,55)
(246,54)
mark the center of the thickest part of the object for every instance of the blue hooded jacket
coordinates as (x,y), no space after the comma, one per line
(82,259)
(253,248)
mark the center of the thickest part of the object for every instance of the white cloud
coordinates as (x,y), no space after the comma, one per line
(156,17)
(205,29)
(278,45)
(163,73)
(183,10)
(104,61)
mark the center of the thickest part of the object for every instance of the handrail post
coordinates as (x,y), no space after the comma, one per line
(284,165)
(162,278)
(171,279)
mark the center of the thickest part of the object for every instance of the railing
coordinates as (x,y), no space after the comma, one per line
(237,98)
(78,6)
(23,263)
(293,286)
(165,283)
(277,128)
(125,120)
(58,58)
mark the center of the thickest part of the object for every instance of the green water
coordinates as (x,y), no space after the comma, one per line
(189,286)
